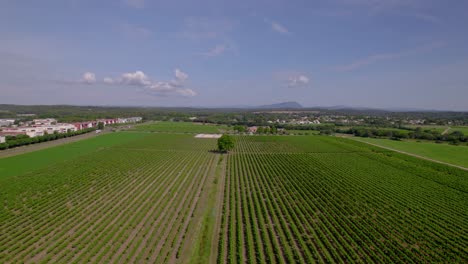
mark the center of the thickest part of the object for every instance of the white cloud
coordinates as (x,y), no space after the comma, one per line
(89,78)
(135,3)
(277,27)
(137,78)
(141,80)
(298,80)
(180,75)
(108,80)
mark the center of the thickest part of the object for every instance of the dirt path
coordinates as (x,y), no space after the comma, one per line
(446,131)
(219,210)
(44,145)
(414,155)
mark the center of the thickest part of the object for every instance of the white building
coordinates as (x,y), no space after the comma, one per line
(6,122)
(45,122)
(2,139)
(129,120)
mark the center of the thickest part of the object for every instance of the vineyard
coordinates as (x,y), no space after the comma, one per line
(170,198)
(316,199)
(140,201)
(181,127)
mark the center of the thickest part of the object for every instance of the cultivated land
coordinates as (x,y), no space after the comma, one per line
(181,127)
(447,129)
(29,162)
(168,198)
(457,155)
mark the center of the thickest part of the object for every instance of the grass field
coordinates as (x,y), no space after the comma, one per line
(441,129)
(457,155)
(182,127)
(168,198)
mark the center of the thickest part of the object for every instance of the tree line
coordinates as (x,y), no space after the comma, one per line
(23,140)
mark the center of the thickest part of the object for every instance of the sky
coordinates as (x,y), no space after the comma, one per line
(214,53)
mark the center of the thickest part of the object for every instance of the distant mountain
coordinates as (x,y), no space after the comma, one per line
(284,105)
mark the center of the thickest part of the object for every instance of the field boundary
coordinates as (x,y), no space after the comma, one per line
(411,154)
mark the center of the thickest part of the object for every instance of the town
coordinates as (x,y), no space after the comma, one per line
(46,126)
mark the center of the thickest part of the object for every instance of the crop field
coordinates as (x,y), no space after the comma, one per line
(316,199)
(139,201)
(441,129)
(169,198)
(457,155)
(182,127)
(20,164)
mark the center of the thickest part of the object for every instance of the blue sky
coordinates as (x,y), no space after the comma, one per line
(369,53)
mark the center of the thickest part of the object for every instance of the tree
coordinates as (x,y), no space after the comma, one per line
(225,143)
(100,126)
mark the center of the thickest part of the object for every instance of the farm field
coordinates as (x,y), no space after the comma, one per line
(181,127)
(20,164)
(457,155)
(441,129)
(303,132)
(138,201)
(168,198)
(317,199)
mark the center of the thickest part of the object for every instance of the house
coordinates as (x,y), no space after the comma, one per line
(45,121)
(2,139)
(252,129)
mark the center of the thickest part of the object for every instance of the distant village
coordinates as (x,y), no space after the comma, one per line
(41,127)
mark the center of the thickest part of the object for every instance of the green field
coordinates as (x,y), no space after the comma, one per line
(441,129)
(16,165)
(457,155)
(303,132)
(132,197)
(181,127)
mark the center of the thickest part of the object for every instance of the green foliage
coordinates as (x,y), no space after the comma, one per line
(181,127)
(23,140)
(225,143)
(100,125)
(240,128)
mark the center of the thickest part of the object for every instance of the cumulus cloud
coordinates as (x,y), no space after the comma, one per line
(137,78)
(140,80)
(89,78)
(298,80)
